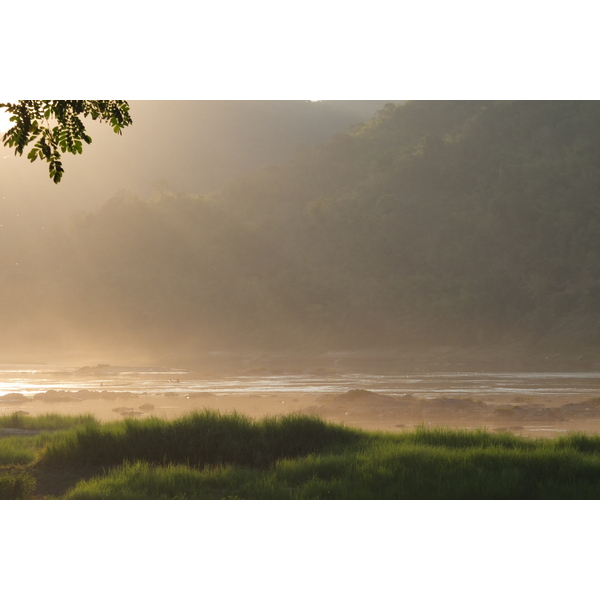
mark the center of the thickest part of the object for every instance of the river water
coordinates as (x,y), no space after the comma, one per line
(32,379)
(112,393)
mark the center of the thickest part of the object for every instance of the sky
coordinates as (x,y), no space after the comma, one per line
(4,121)
(191,147)
(309,50)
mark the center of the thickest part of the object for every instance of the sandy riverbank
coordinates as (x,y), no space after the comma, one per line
(541,416)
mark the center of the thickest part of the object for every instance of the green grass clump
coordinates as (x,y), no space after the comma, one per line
(24,449)
(380,473)
(207,455)
(398,469)
(17,485)
(50,421)
(199,439)
(143,481)
(460,438)
(588,444)
(424,464)
(18,450)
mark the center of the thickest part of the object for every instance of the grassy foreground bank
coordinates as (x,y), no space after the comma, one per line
(206,455)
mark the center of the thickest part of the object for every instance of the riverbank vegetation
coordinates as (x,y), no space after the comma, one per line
(206,455)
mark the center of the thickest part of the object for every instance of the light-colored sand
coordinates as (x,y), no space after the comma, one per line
(529,416)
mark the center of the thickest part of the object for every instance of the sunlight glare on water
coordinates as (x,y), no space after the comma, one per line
(29,380)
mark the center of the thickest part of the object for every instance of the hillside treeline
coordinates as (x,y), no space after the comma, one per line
(433,223)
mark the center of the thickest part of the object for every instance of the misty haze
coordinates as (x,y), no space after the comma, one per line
(388,266)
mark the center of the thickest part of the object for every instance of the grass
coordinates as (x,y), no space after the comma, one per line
(207,455)
(381,467)
(198,439)
(16,485)
(19,450)
(22,449)
(49,421)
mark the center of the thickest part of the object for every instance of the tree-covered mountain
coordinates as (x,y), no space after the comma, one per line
(433,223)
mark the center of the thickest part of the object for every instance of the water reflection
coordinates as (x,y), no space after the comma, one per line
(31,379)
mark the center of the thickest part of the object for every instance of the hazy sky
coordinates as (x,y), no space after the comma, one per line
(191,146)
(4,122)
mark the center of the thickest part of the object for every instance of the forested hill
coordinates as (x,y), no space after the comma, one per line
(460,223)
(445,222)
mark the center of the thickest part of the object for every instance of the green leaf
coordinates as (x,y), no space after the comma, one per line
(67,133)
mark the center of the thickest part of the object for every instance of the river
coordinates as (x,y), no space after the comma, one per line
(113,392)
(32,379)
